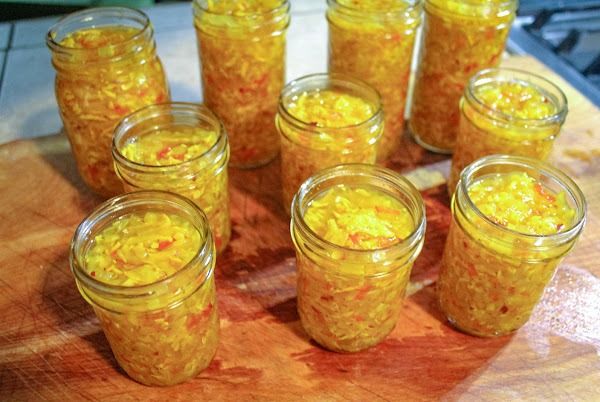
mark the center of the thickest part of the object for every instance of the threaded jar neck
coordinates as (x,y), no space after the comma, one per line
(359,175)
(494,76)
(406,13)
(164,117)
(539,246)
(141,40)
(500,10)
(164,293)
(230,20)
(337,82)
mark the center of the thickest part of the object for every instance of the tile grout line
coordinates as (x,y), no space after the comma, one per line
(7,50)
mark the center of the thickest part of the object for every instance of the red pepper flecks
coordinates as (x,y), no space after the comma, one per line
(164,244)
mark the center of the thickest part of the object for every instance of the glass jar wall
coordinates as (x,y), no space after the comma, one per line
(106,67)
(182,148)
(242,57)
(459,39)
(325,120)
(357,230)
(506,111)
(145,262)
(374,41)
(513,220)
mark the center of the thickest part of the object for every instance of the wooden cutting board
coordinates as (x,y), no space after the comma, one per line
(51,345)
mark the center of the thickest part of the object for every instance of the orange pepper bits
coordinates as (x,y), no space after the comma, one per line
(128,253)
(359,218)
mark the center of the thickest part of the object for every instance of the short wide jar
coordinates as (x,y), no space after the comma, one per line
(349,299)
(242,57)
(163,332)
(460,37)
(492,276)
(182,148)
(374,41)
(309,144)
(106,67)
(506,111)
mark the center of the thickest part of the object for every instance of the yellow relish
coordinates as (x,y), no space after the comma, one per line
(375,5)
(374,40)
(508,112)
(359,218)
(516,99)
(324,127)
(242,51)
(459,39)
(242,7)
(494,273)
(104,74)
(520,203)
(357,230)
(330,108)
(99,38)
(169,147)
(139,249)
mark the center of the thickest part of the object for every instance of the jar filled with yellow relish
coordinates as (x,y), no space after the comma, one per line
(145,262)
(513,220)
(182,148)
(374,40)
(459,38)
(326,120)
(357,230)
(505,111)
(242,56)
(106,67)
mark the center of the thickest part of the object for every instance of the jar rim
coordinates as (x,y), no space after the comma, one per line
(539,83)
(408,5)
(88,15)
(202,5)
(506,7)
(199,110)
(320,81)
(121,205)
(276,18)
(565,182)
(400,183)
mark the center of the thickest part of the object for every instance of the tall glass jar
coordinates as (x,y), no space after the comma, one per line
(374,41)
(506,111)
(459,39)
(492,276)
(164,332)
(242,57)
(308,146)
(106,67)
(349,299)
(178,147)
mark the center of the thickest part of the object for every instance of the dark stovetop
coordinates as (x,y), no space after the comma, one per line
(565,35)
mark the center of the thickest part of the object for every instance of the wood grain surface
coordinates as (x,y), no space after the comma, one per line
(52,347)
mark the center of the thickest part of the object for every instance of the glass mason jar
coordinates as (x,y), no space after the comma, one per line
(491,276)
(307,148)
(242,57)
(486,129)
(459,39)
(350,299)
(201,177)
(106,67)
(164,332)
(376,44)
